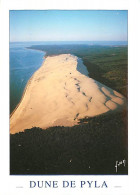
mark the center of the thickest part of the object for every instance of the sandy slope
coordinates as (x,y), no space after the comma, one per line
(60,93)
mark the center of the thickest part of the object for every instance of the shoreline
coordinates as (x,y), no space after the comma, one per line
(25,89)
(42,58)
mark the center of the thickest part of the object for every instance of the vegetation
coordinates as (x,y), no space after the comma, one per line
(88,148)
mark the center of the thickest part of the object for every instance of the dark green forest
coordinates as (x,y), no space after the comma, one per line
(93,146)
(88,148)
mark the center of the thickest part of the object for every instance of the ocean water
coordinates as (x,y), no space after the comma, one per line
(23,63)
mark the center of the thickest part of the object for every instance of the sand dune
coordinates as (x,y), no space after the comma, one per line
(60,93)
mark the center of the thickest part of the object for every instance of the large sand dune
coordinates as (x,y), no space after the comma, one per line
(60,93)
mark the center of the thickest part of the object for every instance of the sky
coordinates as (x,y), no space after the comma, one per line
(52,25)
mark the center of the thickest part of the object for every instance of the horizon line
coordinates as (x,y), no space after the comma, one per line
(66,41)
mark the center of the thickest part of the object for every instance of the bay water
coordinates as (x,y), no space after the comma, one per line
(23,63)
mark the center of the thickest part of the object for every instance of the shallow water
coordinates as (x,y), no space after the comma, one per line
(23,63)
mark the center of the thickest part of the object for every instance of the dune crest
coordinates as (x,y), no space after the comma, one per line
(60,93)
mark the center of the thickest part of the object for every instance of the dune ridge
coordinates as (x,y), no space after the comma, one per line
(60,93)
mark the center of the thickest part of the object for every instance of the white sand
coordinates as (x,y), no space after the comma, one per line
(61,93)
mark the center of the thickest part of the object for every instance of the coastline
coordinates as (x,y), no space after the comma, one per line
(23,64)
(27,85)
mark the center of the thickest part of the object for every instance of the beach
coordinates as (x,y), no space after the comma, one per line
(60,93)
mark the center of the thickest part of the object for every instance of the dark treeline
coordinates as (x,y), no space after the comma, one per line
(92,147)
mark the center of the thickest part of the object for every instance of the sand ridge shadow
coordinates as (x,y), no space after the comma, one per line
(81,67)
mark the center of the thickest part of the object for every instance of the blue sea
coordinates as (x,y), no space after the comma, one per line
(24,62)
